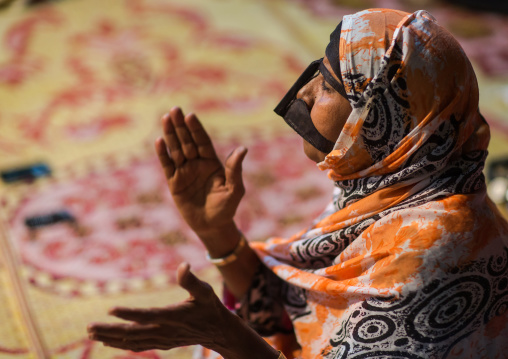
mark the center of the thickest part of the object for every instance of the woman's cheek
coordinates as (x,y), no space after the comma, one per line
(325,121)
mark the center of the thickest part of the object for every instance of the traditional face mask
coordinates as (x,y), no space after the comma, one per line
(296,112)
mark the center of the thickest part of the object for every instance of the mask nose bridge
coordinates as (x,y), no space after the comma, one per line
(291,95)
(307,92)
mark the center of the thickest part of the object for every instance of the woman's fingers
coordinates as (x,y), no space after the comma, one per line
(172,315)
(133,345)
(200,136)
(171,139)
(143,315)
(123,330)
(184,137)
(167,164)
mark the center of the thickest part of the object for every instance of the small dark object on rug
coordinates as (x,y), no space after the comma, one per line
(38,2)
(25,173)
(49,219)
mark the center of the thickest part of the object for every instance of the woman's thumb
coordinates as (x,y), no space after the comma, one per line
(233,167)
(188,281)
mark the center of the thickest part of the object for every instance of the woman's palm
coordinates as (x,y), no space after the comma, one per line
(206,193)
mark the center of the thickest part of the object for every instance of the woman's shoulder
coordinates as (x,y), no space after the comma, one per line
(457,221)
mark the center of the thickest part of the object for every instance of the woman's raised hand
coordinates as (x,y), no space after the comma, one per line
(206,192)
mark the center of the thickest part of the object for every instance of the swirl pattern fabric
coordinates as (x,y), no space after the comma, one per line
(410,260)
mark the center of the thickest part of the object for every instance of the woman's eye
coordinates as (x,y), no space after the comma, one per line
(325,87)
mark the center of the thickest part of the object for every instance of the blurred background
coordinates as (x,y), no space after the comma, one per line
(86,219)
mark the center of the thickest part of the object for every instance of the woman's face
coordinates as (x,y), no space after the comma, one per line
(329,111)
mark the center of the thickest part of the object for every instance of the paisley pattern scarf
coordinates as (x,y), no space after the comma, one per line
(410,260)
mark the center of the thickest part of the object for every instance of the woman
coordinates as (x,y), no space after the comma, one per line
(411,258)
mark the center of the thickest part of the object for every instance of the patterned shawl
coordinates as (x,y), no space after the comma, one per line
(411,259)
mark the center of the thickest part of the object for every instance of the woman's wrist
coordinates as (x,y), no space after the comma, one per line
(221,240)
(242,342)
(231,256)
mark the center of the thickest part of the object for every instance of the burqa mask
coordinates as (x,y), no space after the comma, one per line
(295,111)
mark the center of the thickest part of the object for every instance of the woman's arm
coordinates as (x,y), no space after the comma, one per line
(206,192)
(201,319)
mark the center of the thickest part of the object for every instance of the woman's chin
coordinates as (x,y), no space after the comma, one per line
(313,153)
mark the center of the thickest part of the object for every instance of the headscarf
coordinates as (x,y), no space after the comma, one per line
(411,257)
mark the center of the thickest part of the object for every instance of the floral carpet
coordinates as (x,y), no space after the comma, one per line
(82,86)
